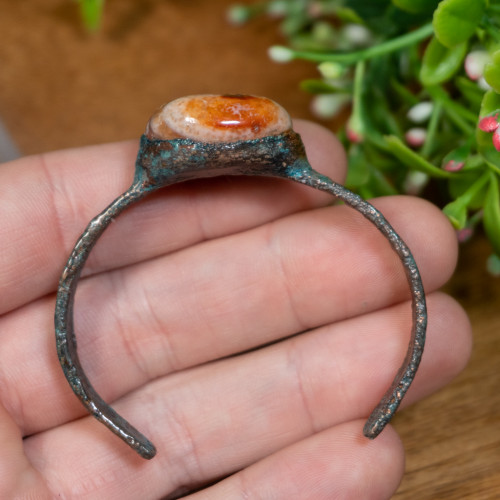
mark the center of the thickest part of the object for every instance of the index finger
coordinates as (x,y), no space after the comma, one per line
(47,200)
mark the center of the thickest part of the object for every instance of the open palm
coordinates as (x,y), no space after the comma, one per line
(187,320)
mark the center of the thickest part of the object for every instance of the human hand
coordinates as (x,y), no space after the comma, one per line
(186,321)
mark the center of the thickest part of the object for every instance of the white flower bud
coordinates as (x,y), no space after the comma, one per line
(415,182)
(483,84)
(280,54)
(475,62)
(421,112)
(327,106)
(357,35)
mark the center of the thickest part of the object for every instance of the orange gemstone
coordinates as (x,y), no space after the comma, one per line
(219,118)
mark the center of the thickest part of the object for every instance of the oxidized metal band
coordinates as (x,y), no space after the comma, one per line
(197,137)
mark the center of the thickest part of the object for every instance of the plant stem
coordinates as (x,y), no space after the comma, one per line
(377,50)
(431,130)
(493,167)
(464,119)
(406,95)
(359,76)
(467,197)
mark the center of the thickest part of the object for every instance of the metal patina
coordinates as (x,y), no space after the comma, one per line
(163,162)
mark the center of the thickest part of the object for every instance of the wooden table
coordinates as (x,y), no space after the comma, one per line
(59,88)
(452,439)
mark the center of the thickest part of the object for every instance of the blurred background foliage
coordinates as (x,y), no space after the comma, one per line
(416,84)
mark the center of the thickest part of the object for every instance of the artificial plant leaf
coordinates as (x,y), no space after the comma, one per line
(470,90)
(91,13)
(348,15)
(366,10)
(491,217)
(411,159)
(382,17)
(490,103)
(473,162)
(493,265)
(416,6)
(455,21)
(358,172)
(380,185)
(456,213)
(456,158)
(470,188)
(441,63)
(314,86)
(492,72)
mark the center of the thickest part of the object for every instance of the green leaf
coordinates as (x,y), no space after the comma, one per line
(456,158)
(470,90)
(493,265)
(368,10)
(413,160)
(473,162)
(314,86)
(358,172)
(416,6)
(441,63)
(455,21)
(456,212)
(490,103)
(380,185)
(348,15)
(491,217)
(470,189)
(492,72)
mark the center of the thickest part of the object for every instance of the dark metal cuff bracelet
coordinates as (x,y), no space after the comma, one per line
(206,136)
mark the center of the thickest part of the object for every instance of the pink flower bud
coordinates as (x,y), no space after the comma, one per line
(475,62)
(496,139)
(355,129)
(415,137)
(453,165)
(489,123)
(353,136)
(464,234)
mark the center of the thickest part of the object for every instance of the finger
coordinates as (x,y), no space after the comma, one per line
(221,417)
(139,323)
(18,479)
(134,325)
(47,201)
(337,463)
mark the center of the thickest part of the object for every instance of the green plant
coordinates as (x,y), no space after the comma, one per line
(91,12)
(422,78)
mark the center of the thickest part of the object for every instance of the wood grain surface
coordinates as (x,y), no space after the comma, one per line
(452,439)
(59,88)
